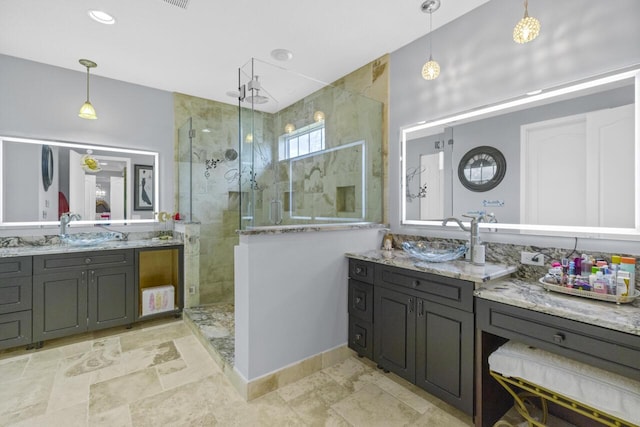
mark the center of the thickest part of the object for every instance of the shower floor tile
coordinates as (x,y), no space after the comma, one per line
(216,323)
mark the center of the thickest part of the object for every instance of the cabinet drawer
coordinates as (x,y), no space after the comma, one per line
(73,261)
(605,348)
(361,300)
(444,290)
(15,294)
(361,337)
(361,270)
(15,329)
(15,267)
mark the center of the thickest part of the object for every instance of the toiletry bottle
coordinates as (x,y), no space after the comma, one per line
(578,264)
(586,264)
(629,264)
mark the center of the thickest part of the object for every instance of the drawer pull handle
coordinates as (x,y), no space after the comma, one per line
(87,261)
(359,270)
(416,283)
(358,300)
(358,337)
(558,338)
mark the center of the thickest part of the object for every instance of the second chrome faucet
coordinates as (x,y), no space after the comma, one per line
(473,230)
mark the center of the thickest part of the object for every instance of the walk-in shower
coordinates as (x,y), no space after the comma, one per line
(310,153)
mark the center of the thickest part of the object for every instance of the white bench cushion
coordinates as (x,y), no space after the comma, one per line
(603,390)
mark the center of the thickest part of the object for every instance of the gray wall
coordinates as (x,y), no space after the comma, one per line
(482,65)
(42,101)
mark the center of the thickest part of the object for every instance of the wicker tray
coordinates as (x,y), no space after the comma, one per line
(592,295)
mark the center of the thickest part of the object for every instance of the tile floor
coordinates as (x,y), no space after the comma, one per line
(159,374)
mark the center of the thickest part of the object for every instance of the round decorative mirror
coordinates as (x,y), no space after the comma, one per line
(47,167)
(482,168)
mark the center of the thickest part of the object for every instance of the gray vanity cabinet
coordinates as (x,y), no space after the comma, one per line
(82,291)
(15,301)
(424,331)
(361,308)
(422,326)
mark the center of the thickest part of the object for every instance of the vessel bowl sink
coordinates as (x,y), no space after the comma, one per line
(89,239)
(434,251)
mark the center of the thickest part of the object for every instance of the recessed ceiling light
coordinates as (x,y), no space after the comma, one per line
(282,54)
(101,17)
(206,130)
(233,93)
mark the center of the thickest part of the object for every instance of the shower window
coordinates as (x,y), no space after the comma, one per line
(307,140)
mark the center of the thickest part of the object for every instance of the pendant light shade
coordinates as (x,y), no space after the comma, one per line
(527,28)
(87,111)
(431,68)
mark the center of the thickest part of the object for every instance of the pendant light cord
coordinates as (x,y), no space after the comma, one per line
(87,84)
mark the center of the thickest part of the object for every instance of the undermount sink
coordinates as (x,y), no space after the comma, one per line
(88,239)
(434,251)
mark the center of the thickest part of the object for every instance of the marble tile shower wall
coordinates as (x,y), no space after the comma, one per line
(328,185)
(509,254)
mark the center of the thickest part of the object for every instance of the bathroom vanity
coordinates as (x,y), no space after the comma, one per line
(54,291)
(418,322)
(436,325)
(601,334)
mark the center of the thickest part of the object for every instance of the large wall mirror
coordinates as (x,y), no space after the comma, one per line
(571,161)
(41,180)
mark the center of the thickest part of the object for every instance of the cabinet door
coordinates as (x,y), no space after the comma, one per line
(111,297)
(444,353)
(59,304)
(394,332)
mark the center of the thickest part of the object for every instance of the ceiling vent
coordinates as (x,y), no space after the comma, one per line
(180,3)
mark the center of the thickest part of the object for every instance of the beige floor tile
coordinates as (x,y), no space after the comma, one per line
(25,398)
(371,406)
(314,407)
(69,391)
(12,369)
(436,417)
(182,406)
(73,416)
(149,356)
(118,391)
(91,361)
(193,353)
(353,374)
(404,394)
(268,410)
(116,417)
(304,386)
(153,336)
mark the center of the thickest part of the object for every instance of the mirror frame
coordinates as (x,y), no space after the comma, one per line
(156,181)
(532,99)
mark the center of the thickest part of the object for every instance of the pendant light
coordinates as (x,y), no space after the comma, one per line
(431,69)
(527,28)
(87,111)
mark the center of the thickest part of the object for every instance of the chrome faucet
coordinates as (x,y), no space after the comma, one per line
(65,219)
(473,229)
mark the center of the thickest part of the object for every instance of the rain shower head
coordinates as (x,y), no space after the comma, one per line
(254,86)
(257,98)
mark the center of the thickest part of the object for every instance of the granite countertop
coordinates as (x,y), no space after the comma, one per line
(28,250)
(458,269)
(308,228)
(532,296)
